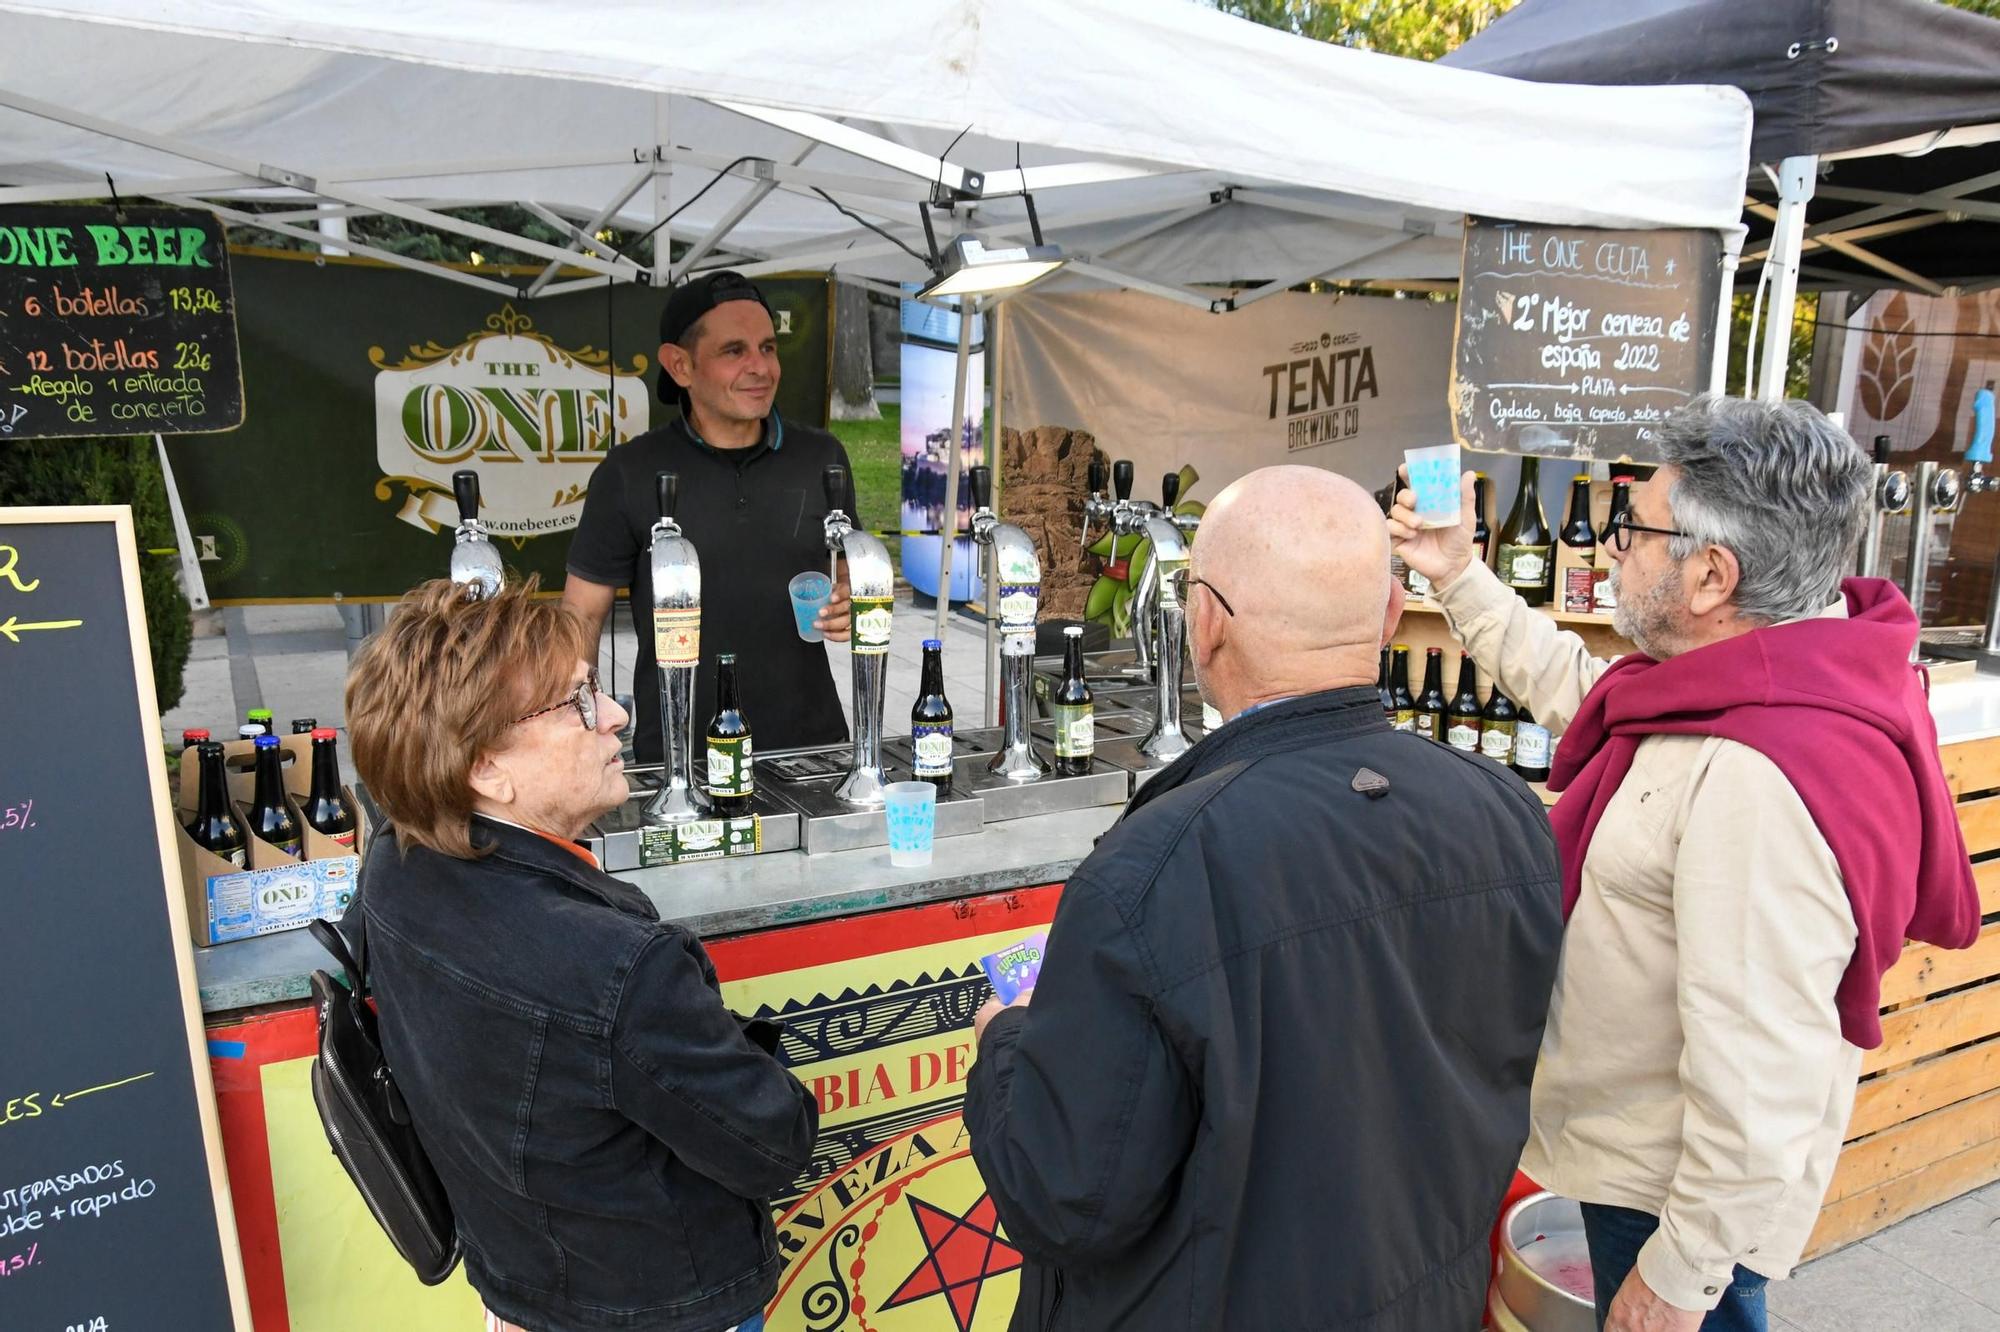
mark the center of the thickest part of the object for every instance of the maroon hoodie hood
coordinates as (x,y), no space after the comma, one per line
(1838,707)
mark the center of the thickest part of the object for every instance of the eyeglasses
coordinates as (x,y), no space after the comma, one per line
(1180,580)
(1619,532)
(583,698)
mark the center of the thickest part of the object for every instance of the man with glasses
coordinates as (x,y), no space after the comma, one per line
(1753,818)
(1267,1079)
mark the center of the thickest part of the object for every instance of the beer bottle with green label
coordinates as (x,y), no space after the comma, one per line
(1431,705)
(1076,724)
(1462,724)
(930,723)
(1404,717)
(271,816)
(216,828)
(1527,547)
(731,781)
(1496,730)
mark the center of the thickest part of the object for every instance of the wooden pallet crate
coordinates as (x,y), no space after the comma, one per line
(1926,1123)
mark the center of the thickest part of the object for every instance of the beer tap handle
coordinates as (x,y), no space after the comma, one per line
(839,489)
(1170,491)
(465,485)
(982,487)
(1099,474)
(1121,479)
(668,485)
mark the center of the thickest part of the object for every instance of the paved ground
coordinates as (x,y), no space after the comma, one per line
(1937,1272)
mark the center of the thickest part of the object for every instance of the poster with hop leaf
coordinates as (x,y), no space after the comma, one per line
(1912,365)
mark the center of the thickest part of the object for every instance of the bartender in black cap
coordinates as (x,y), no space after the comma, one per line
(751,499)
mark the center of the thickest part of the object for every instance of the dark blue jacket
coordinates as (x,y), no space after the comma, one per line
(1275,1072)
(607,1131)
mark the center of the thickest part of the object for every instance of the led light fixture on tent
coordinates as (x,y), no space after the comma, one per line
(967,267)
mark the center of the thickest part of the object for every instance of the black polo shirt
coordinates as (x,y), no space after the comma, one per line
(754,516)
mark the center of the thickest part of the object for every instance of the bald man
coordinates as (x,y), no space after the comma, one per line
(1275,1073)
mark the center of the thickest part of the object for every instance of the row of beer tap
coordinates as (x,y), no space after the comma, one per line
(1013,579)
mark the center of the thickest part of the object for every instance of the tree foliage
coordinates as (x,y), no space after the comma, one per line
(1422,29)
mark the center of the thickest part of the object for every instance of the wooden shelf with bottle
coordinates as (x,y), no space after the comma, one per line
(1560,617)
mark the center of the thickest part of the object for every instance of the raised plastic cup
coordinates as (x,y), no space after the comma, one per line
(810,592)
(1434,478)
(911,810)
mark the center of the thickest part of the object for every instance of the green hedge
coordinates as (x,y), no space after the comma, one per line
(114,471)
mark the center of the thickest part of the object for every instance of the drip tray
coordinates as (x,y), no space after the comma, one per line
(806,782)
(615,838)
(1123,752)
(1104,784)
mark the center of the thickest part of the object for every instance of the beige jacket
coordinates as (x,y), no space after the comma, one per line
(1693,1065)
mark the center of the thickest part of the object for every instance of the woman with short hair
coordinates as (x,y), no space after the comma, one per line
(607,1131)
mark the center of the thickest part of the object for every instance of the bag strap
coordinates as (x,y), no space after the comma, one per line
(329,938)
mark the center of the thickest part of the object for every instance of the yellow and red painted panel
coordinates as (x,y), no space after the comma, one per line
(888,1230)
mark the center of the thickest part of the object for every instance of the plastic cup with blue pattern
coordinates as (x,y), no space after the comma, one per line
(810,592)
(911,809)
(1434,477)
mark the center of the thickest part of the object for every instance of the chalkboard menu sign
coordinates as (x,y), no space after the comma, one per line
(115,321)
(1577,341)
(114,1208)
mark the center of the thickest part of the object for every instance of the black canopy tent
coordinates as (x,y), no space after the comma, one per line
(1877,121)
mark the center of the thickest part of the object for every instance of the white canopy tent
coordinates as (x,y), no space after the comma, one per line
(1169,148)
(1166,144)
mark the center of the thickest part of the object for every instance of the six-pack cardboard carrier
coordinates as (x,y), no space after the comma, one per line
(278,892)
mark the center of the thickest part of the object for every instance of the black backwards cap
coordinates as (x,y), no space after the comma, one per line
(688,303)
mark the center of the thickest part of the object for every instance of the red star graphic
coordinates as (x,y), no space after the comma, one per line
(960,1252)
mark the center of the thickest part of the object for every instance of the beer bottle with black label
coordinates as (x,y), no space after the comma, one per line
(731,780)
(1462,724)
(1431,705)
(271,815)
(1531,748)
(1579,558)
(1382,688)
(326,813)
(304,725)
(1527,548)
(1482,531)
(1603,598)
(1403,706)
(1075,716)
(215,828)
(1496,728)
(930,723)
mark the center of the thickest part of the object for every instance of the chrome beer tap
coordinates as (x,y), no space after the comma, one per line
(475,561)
(1095,505)
(1141,516)
(676,577)
(1014,580)
(872,585)
(1165,615)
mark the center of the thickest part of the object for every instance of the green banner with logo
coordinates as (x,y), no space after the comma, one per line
(367,386)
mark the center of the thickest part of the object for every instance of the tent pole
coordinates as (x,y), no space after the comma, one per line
(954,449)
(1718,362)
(663,190)
(990,596)
(1796,178)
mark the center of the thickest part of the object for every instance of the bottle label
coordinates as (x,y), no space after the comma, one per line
(676,636)
(1524,566)
(1463,736)
(1420,586)
(1496,741)
(1601,591)
(1405,720)
(730,770)
(1019,605)
(1427,725)
(239,857)
(345,839)
(293,847)
(1531,746)
(873,617)
(1076,730)
(1578,587)
(931,745)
